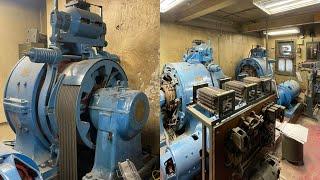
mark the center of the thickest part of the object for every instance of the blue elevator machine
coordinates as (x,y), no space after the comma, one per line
(255,65)
(70,103)
(195,96)
(181,134)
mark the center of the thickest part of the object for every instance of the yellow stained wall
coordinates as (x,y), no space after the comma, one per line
(133,34)
(300,57)
(16,17)
(229,48)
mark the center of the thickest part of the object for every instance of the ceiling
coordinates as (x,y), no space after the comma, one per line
(237,16)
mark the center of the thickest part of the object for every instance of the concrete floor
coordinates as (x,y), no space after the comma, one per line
(311,168)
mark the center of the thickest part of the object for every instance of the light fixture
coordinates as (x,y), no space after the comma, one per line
(284,31)
(277,6)
(166,5)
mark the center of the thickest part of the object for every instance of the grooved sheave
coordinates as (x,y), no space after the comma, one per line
(66,115)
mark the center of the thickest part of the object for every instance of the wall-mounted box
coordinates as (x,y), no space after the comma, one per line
(300,42)
(313,51)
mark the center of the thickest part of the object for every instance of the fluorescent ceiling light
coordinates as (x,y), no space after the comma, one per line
(277,6)
(166,5)
(285,31)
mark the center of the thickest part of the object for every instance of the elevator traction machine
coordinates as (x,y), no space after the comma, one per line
(70,106)
(215,125)
(257,65)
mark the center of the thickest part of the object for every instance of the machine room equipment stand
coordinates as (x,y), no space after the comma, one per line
(216,132)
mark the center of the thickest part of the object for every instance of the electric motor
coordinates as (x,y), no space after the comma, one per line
(255,65)
(288,91)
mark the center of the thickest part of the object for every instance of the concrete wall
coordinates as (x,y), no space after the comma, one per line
(228,48)
(300,57)
(133,34)
(16,17)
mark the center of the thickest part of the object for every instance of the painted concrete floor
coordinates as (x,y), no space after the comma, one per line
(311,168)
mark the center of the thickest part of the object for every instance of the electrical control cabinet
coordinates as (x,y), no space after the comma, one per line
(313,51)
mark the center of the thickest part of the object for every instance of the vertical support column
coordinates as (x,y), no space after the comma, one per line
(204,151)
(211,148)
(211,153)
(267,39)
